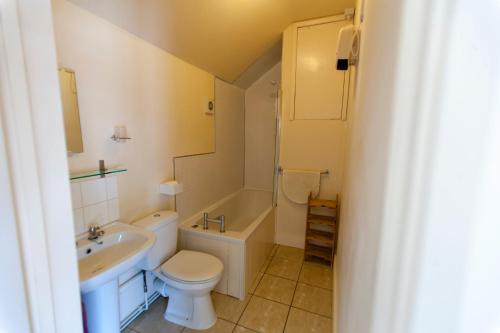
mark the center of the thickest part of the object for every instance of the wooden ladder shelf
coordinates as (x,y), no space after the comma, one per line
(321,228)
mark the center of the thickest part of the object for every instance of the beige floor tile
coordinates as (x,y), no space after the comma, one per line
(221,326)
(317,275)
(241,329)
(128,330)
(290,252)
(227,307)
(275,248)
(255,282)
(313,299)
(284,267)
(265,264)
(276,289)
(263,315)
(300,321)
(152,321)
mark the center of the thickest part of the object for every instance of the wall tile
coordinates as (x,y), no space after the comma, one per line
(95,201)
(96,214)
(93,191)
(113,210)
(76,195)
(112,187)
(78,221)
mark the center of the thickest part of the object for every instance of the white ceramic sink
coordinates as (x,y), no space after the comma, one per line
(100,263)
(123,246)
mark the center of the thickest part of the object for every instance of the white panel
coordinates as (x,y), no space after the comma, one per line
(128,275)
(149,282)
(113,210)
(96,214)
(93,191)
(76,195)
(260,130)
(78,221)
(319,86)
(258,247)
(112,187)
(208,178)
(235,270)
(131,296)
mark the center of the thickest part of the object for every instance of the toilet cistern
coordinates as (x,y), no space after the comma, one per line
(219,220)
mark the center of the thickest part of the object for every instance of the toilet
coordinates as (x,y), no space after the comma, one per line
(185,277)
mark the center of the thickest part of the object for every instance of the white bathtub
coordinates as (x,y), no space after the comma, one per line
(244,246)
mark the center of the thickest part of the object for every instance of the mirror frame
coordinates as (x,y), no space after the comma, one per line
(71,71)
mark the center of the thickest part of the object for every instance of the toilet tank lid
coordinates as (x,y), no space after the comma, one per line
(157,220)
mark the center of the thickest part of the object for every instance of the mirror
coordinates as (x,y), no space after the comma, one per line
(69,98)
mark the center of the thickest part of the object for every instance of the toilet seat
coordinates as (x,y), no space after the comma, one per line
(192,267)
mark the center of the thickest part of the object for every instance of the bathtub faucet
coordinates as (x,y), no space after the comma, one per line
(219,220)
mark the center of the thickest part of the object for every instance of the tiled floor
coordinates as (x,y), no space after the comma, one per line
(288,295)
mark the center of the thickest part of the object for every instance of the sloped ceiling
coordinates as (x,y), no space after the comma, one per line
(223,37)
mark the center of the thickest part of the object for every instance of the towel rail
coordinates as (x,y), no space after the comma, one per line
(323,172)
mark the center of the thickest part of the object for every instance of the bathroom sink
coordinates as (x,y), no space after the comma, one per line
(120,248)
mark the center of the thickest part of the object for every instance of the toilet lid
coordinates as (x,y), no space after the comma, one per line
(192,266)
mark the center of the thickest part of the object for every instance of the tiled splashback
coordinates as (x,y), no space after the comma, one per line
(95,201)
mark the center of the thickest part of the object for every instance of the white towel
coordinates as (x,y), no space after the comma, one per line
(297,184)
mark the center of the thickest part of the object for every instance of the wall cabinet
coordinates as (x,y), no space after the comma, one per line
(320,90)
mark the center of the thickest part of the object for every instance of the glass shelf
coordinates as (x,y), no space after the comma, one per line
(96,173)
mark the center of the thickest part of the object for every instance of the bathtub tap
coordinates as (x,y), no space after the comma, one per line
(219,220)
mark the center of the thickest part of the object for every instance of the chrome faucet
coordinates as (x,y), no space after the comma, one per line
(219,220)
(94,233)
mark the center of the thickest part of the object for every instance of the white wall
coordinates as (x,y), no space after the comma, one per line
(305,144)
(419,222)
(123,80)
(366,173)
(210,177)
(260,130)
(95,201)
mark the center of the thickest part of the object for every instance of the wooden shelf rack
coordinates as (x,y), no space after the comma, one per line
(321,228)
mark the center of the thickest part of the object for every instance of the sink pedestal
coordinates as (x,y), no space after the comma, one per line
(103,308)
(121,247)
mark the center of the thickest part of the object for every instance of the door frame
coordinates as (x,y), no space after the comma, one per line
(35,152)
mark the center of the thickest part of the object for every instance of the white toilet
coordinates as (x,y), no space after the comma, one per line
(186,278)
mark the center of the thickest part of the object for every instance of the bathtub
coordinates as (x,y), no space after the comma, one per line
(245,245)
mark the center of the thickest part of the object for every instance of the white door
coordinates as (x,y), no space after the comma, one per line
(320,88)
(39,284)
